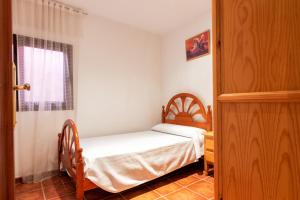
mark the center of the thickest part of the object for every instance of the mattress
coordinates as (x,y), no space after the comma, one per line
(119,162)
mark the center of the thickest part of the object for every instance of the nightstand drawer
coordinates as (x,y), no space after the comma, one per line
(209,156)
(209,144)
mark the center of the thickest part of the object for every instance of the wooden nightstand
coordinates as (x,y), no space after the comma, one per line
(208,150)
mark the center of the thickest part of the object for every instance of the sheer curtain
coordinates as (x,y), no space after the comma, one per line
(46,53)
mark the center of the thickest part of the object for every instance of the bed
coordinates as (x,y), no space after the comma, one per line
(119,162)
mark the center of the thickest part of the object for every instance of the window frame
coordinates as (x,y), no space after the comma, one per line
(67,50)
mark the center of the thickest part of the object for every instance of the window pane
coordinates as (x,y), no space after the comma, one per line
(48,67)
(44,70)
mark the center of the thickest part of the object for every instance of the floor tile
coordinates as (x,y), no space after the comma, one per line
(210,179)
(65,178)
(97,194)
(204,188)
(66,197)
(55,180)
(183,194)
(115,197)
(169,187)
(186,180)
(52,191)
(200,175)
(165,187)
(140,193)
(27,187)
(69,187)
(32,195)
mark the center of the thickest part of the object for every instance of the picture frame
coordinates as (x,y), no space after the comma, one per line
(198,46)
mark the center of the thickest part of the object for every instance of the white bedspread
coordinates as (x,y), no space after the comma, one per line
(119,162)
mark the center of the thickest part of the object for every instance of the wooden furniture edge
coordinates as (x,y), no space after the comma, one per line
(70,157)
(217,42)
(209,135)
(276,96)
(184,117)
(7,166)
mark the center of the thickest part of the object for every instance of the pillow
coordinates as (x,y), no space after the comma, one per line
(186,131)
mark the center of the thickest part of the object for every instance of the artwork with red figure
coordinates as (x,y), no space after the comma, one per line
(197,46)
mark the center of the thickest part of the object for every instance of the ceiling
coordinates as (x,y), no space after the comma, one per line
(157,16)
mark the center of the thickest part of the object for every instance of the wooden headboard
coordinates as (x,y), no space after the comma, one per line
(184,108)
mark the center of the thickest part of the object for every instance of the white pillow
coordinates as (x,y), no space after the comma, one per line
(186,131)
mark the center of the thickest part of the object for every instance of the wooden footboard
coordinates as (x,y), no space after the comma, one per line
(70,158)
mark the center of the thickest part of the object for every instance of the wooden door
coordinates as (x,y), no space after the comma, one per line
(6,102)
(257,99)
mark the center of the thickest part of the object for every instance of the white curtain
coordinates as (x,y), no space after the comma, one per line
(46,42)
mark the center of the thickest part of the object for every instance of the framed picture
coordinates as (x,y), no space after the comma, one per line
(197,46)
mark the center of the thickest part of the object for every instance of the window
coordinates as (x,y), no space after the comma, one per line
(48,67)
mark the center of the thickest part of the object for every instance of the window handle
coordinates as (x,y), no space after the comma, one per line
(26,86)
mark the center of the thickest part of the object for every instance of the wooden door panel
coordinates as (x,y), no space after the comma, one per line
(260,158)
(7,178)
(260,45)
(257,99)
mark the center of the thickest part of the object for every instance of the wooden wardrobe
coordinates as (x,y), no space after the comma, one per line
(257,99)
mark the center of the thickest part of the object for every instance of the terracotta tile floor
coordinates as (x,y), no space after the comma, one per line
(185,184)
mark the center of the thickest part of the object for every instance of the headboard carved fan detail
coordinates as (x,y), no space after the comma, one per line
(183,109)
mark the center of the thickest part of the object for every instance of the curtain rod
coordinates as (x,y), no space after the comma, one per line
(67,6)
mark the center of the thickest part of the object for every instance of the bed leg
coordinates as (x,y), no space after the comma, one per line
(79,193)
(59,151)
(205,172)
(79,175)
(79,188)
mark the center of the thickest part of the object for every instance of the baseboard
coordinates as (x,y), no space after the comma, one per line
(32,178)
(18,180)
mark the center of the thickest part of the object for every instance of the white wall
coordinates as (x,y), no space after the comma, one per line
(119,78)
(117,86)
(179,75)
